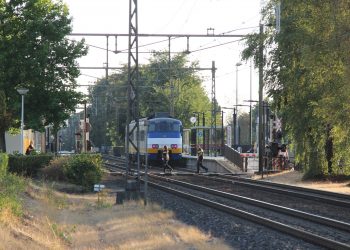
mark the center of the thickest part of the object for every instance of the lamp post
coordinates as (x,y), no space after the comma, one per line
(22,91)
(236,130)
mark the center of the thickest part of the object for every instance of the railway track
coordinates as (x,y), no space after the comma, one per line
(308,193)
(308,227)
(311,227)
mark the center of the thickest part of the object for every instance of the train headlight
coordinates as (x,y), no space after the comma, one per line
(173,146)
(155,146)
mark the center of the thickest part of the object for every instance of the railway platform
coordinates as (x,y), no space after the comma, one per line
(216,164)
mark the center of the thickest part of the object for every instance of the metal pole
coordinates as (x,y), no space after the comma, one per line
(133,76)
(236,124)
(203,132)
(234,127)
(236,131)
(107,61)
(261,87)
(146,167)
(22,125)
(222,132)
(213,110)
(84,129)
(250,105)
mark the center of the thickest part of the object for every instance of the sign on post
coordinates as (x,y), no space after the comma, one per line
(98,187)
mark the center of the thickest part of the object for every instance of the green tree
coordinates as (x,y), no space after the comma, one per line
(35,53)
(307,69)
(162,83)
(173,82)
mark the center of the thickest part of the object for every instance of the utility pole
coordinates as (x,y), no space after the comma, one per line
(250,104)
(84,129)
(261,87)
(213,108)
(172,97)
(133,77)
(222,133)
(107,61)
(203,121)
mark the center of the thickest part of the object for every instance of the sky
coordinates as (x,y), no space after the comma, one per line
(174,17)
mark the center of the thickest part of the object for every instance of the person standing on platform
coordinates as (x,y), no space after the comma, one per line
(200,154)
(166,159)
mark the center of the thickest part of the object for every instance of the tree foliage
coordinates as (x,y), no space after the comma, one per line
(307,75)
(35,53)
(161,83)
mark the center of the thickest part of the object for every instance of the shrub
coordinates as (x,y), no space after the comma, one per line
(28,165)
(84,169)
(54,171)
(3,164)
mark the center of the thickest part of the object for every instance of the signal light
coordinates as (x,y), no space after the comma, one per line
(173,146)
(155,146)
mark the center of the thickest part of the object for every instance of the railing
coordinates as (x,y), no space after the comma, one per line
(233,156)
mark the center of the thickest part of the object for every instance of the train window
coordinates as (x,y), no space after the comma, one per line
(176,127)
(152,127)
(164,126)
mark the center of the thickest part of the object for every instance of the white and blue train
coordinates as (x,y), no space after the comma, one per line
(155,133)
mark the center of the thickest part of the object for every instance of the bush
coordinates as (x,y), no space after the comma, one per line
(84,169)
(28,165)
(54,171)
(3,164)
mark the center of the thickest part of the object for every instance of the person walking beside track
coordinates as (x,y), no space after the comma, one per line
(200,154)
(166,159)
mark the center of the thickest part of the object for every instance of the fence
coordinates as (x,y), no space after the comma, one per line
(233,156)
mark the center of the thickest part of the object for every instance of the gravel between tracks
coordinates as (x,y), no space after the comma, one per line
(238,233)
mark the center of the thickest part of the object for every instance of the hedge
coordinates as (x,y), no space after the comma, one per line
(4,160)
(28,165)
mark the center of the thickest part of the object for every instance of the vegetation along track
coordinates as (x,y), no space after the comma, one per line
(317,230)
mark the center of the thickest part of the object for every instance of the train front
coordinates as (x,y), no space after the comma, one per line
(161,132)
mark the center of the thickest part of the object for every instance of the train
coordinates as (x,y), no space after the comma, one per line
(155,133)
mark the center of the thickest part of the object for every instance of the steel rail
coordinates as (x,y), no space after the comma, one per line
(292,187)
(314,197)
(280,227)
(280,209)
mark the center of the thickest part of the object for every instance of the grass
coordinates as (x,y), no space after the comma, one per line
(56,220)
(18,229)
(11,186)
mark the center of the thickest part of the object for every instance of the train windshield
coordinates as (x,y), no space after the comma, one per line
(164,126)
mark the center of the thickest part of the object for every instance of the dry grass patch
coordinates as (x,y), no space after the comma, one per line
(28,233)
(85,223)
(131,226)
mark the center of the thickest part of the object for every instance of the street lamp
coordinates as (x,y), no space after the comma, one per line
(22,91)
(236,130)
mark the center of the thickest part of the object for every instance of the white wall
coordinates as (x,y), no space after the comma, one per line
(13,143)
